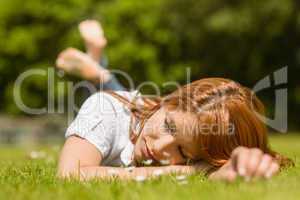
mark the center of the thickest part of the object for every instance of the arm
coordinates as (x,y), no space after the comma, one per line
(87,173)
(75,154)
(81,159)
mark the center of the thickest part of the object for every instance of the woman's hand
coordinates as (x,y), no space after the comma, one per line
(248,163)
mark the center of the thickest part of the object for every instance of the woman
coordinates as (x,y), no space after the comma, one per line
(210,125)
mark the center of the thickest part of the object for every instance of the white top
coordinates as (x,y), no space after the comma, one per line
(104,121)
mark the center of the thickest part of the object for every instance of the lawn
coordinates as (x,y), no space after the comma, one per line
(22,177)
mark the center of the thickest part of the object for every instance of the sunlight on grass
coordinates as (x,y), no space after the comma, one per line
(22,177)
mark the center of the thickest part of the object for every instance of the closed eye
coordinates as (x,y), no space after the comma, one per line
(170,127)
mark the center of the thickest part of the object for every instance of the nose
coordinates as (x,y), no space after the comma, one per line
(162,144)
(165,150)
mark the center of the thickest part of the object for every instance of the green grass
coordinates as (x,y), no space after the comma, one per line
(24,178)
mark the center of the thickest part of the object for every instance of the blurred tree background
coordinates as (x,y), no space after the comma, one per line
(154,40)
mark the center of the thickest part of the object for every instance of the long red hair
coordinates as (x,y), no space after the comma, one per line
(233,110)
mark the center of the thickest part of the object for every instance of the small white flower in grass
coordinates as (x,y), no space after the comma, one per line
(181,178)
(37,154)
(140,178)
(34,155)
(147,162)
(164,162)
(158,172)
(129,169)
(183,182)
(112,172)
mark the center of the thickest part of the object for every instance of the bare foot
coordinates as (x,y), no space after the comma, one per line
(78,63)
(93,35)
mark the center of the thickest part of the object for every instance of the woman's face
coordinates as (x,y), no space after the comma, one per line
(165,139)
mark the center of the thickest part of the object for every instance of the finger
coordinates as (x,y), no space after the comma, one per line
(239,158)
(224,175)
(264,165)
(255,156)
(273,169)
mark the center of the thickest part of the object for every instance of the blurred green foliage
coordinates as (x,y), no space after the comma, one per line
(154,40)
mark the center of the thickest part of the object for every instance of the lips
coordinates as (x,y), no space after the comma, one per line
(146,152)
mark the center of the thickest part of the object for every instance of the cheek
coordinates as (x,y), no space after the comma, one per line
(163,146)
(173,157)
(154,126)
(152,131)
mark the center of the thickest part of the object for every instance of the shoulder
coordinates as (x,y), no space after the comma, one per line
(104,103)
(105,96)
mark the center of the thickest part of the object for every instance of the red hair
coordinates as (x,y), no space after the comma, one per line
(229,110)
